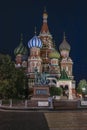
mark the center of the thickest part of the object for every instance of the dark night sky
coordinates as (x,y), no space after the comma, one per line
(69,16)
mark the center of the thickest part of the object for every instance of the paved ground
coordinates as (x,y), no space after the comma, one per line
(67,120)
(50,120)
(23,121)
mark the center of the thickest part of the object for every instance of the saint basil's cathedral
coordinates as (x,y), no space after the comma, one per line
(44,59)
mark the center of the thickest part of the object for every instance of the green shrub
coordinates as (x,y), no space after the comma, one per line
(55,91)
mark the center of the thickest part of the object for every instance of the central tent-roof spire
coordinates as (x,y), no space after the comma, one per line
(44,28)
(45,15)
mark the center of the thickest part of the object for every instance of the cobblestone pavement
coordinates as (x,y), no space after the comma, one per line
(67,120)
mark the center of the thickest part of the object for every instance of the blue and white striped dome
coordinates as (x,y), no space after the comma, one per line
(35,42)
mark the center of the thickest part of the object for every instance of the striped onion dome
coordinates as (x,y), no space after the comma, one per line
(21,49)
(64,45)
(54,54)
(35,42)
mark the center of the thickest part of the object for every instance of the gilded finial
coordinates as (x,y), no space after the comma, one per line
(35,30)
(64,36)
(21,37)
(44,9)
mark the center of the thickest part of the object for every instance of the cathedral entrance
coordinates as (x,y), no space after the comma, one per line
(65,91)
(66,88)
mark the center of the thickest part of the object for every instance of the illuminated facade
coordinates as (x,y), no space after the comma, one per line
(45,58)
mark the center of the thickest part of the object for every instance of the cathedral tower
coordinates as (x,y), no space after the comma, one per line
(66,62)
(46,39)
(21,54)
(54,63)
(34,60)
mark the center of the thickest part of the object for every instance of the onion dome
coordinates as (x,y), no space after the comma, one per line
(64,45)
(21,49)
(54,54)
(35,42)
